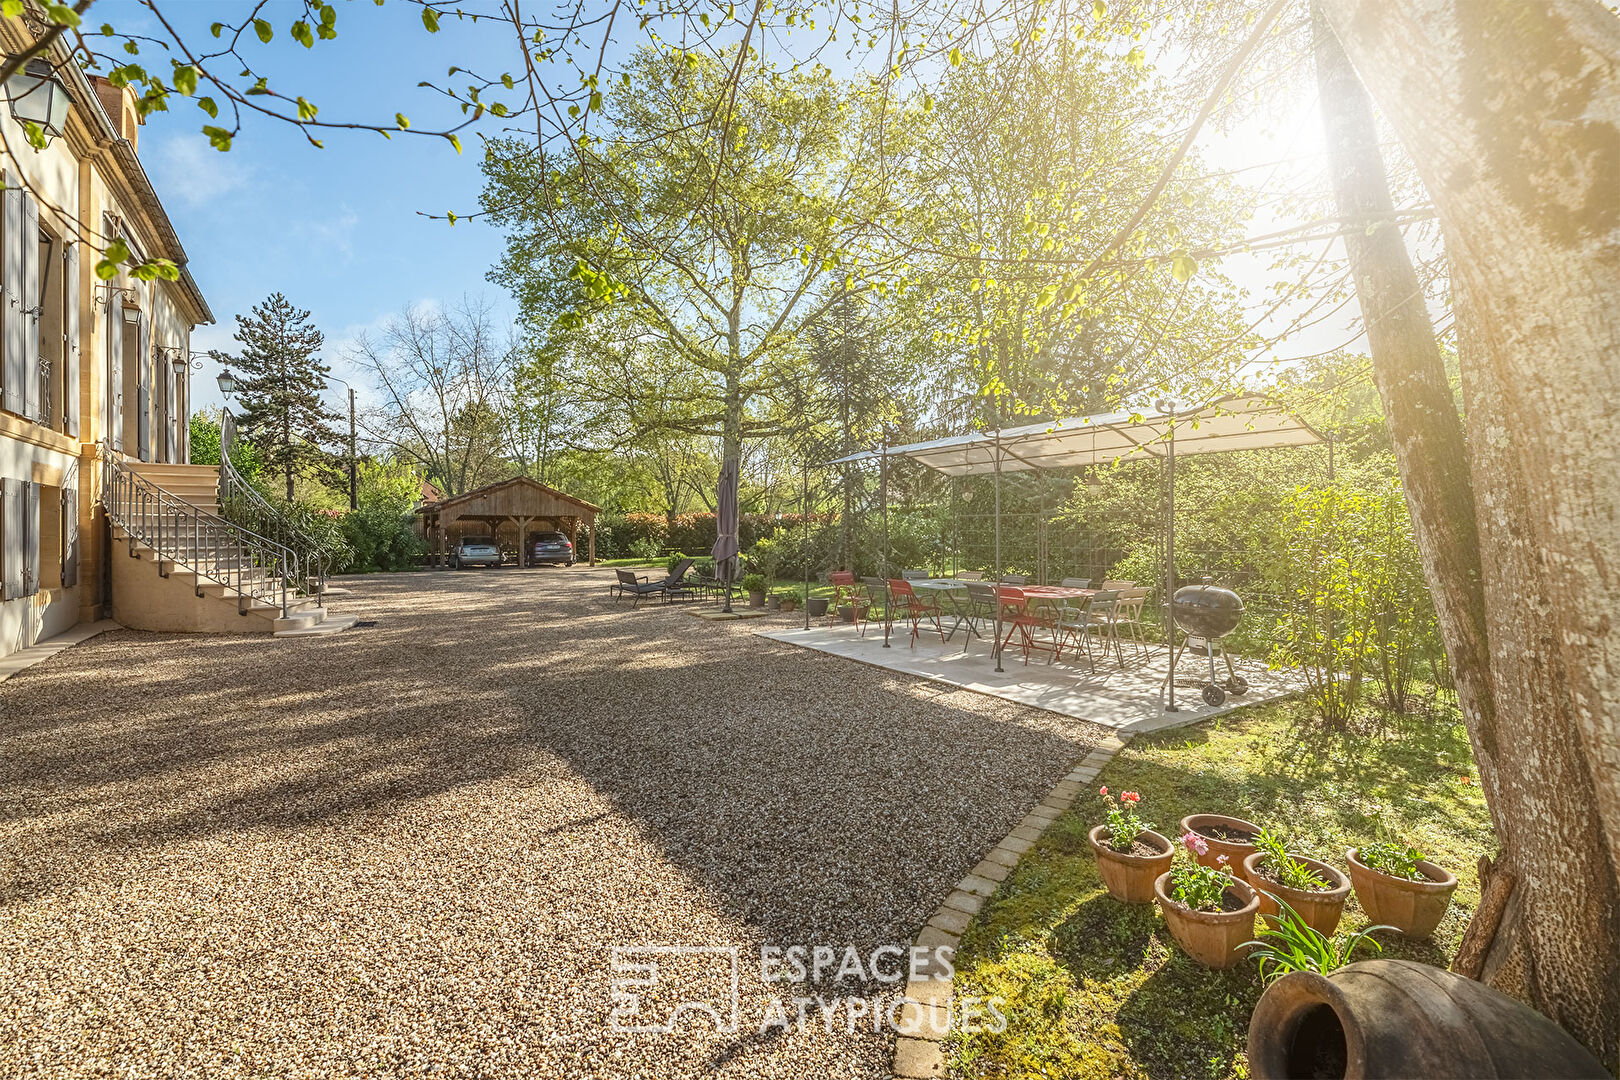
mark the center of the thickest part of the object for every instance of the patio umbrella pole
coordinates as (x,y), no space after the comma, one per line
(996,588)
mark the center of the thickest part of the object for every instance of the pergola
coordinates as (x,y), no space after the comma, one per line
(521,502)
(1239,422)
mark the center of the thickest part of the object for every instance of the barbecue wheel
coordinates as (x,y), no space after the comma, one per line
(1237,686)
(1213,695)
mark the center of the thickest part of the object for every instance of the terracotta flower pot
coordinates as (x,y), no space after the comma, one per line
(1412,907)
(1213,938)
(1319,908)
(756,599)
(1129,878)
(1234,850)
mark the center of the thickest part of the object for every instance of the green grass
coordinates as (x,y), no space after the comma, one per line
(1095,988)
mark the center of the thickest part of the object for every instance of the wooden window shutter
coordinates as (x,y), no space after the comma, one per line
(33,398)
(115,368)
(11,537)
(143,406)
(70,535)
(70,343)
(30,509)
(13,369)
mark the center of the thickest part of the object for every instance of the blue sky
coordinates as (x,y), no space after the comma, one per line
(337,230)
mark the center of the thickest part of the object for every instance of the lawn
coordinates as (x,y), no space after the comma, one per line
(1096,988)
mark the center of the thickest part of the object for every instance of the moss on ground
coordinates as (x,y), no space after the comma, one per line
(1095,988)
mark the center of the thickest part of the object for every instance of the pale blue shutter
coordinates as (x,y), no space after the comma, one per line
(143,418)
(13,370)
(11,537)
(115,369)
(33,397)
(70,343)
(30,509)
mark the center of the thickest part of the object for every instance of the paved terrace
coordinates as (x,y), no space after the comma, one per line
(411,847)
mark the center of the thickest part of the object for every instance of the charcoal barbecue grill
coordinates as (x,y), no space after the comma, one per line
(1206,613)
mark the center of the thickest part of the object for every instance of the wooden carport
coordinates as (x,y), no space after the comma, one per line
(520,501)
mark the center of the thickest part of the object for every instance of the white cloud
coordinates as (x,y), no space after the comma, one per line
(191,171)
(333,235)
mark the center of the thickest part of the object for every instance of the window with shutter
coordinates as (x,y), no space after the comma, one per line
(13,366)
(33,383)
(115,368)
(143,421)
(70,340)
(30,510)
(11,537)
(70,536)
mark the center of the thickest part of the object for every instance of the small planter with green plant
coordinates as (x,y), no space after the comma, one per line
(1130,855)
(754,586)
(1310,887)
(1398,886)
(1209,910)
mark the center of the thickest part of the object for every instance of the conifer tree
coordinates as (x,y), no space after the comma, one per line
(281,381)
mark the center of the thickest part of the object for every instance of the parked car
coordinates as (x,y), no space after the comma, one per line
(552,547)
(475,551)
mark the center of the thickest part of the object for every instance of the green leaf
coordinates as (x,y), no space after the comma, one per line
(328,15)
(1099,10)
(956,57)
(12,9)
(306,111)
(218,137)
(455,142)
(302,34)
(35,134)
(207,105)
(506,81)
(185,79)
(430,19)
(106,269)
(1183,267)
(217,29)
(61,14)
(264,30)
(498,109)
(118,250)
(402,120)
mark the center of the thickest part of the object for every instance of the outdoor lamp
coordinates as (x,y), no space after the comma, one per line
(227,383)
(38,97)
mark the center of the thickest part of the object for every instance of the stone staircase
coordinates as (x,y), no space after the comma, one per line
(192,570)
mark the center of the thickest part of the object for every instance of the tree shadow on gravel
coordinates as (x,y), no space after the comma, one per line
(817,799)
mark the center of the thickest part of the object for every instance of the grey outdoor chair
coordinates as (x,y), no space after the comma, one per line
(970,575)
(1076,583)
(876,589)
(637,587)
(1015,579)
(913,575)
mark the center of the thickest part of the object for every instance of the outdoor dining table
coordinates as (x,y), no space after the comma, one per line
(953,591)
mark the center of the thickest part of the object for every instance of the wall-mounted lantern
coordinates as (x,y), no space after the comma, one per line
(38,97)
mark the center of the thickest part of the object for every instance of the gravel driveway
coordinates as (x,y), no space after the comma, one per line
(411,848)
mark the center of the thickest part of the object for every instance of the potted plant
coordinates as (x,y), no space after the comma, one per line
(1314,889)
(789,601)
(1130,855)
(1210,912)
(818,606)
(773,602)
(754,586)
(1398,886)
(1222,835)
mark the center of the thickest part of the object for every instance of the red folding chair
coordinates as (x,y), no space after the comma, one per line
(1019,614)
(844,584)
(906,604)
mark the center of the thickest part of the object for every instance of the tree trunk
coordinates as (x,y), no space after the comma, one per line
(1507,109)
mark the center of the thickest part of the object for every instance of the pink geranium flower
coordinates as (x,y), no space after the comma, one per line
(1195,843)
(1104,790)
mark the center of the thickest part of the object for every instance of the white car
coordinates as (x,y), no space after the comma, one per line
(475,551)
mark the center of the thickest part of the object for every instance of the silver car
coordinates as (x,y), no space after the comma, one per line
(475,551)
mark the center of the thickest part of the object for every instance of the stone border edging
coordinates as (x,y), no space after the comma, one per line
(926,1007)
(17,662)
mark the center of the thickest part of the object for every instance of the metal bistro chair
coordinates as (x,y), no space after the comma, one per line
(1099,620)
(1118,586)
(844,585)
(970,575)
(978,611)
(914,575)
(914,609)
(1128,614)
(876,588)
(1076,583)
(1019,614)
(1014,579)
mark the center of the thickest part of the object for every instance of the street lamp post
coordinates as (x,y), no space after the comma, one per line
(354,486)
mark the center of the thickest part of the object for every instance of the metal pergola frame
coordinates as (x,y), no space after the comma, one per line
(1236,422)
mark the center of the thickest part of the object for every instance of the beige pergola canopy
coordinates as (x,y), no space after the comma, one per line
(1232,423)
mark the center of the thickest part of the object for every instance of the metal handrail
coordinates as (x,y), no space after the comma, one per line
(236,493)
(223,552)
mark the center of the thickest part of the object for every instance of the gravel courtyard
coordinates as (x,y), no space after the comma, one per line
(411,848)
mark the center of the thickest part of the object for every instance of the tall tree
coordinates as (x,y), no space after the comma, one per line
(1511,126)
(281,382)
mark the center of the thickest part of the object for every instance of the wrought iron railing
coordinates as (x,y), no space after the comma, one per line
(241,502)
(259,569)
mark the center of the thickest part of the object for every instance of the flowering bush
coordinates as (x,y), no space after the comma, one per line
(1123,822)
(1195,885)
